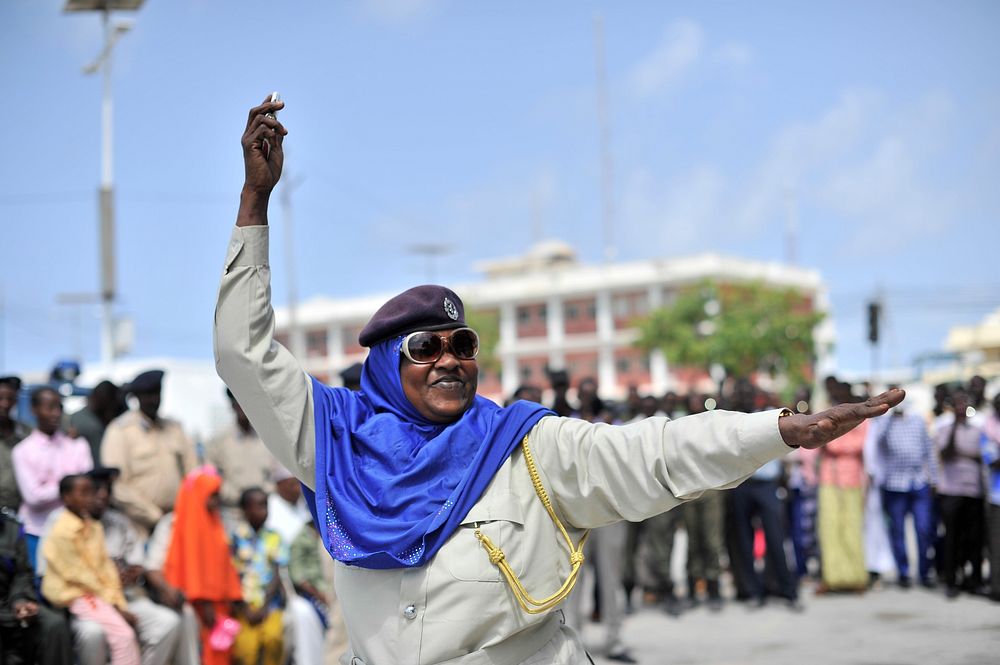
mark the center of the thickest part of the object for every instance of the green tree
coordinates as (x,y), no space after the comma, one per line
(487,324)
(744,328)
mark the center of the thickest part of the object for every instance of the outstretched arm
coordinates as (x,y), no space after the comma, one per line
(265,378)
(601,474)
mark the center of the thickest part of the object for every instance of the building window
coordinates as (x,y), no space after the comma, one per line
(629,305)
(523,314)
(623,365)
(316,343)
(592,311)
(350,338)
(621,308)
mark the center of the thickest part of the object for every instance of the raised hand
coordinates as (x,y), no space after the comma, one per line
(262,167)
(813,431)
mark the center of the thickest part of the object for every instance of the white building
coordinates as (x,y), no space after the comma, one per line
(977,351)
(554,311)
(979,345)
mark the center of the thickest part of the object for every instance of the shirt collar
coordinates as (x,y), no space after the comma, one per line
(76,524)
(55,438)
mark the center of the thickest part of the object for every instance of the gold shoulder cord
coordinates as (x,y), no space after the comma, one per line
(498,558)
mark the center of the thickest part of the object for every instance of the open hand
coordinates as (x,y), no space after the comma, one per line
(813,431)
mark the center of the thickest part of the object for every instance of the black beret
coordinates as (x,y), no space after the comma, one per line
(104,472)
(352,374)
(147,382)
(426,307)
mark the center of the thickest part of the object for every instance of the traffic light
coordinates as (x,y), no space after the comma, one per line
(874,314)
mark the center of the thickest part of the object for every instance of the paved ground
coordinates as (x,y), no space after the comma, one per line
(883,627)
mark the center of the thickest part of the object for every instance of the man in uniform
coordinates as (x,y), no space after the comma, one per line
(454,513)
(152,452)
(243,462)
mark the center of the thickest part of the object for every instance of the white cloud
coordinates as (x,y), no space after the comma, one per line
(866,163)
(884,189)
(667,64)
(800,150)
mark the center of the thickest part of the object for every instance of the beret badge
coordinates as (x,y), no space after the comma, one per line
(450,309)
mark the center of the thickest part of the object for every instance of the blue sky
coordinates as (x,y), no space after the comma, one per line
(474,124)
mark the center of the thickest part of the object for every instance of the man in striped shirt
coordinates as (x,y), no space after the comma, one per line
(905,454)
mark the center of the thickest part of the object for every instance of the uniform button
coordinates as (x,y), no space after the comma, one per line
(410,612)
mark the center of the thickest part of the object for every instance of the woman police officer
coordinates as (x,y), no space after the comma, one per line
(457,525)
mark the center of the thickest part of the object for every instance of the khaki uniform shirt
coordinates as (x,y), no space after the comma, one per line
(457,608)
(243,462)
(153,459)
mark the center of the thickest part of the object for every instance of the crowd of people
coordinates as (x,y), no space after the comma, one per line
(832,518)
(122,542)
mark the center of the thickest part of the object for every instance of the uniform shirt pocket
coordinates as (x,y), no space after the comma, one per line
(144,460)
(501,518)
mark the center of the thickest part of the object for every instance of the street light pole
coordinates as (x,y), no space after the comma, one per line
(106,193)
(107,203)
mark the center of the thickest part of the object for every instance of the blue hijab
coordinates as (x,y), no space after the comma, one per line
(392,486)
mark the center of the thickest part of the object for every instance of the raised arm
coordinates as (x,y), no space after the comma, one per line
(265,378)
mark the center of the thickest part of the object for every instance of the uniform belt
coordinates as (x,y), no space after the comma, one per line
(513,650)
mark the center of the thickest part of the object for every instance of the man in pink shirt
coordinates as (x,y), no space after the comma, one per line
(40,462)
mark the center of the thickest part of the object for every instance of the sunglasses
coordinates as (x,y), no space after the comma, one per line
(424,347)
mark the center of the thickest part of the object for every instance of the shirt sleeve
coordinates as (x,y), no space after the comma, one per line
(22,585)
(300,567)
(159,543)
(264,376)
(931,457)
(38,487)
(598,474)
(135,550)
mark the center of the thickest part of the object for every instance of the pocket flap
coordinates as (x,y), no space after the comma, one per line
(497,507)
